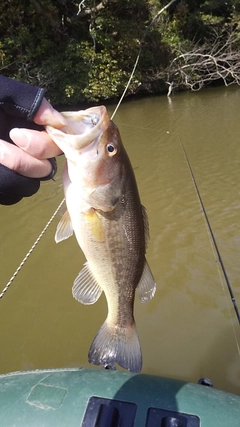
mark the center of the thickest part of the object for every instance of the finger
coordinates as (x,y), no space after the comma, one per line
(37,144)
(47,115)
(20,161)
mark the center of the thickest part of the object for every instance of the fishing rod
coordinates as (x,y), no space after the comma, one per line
(211,232)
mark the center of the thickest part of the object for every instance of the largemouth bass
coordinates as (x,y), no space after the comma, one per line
(105,212)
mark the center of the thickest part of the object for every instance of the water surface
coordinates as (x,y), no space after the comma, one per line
(189,330)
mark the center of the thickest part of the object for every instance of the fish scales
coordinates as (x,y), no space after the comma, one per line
(105,213)
(113,262)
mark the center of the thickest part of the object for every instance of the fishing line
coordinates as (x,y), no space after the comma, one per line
(30,251)
(139,53)
(219,258)
(118,105)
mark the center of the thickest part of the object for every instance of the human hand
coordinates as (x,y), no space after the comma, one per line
(29,156)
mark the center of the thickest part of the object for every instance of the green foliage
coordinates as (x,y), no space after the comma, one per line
(79,56)
(223,8)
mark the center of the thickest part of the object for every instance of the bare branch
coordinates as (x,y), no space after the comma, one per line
(83,10)
(219,60)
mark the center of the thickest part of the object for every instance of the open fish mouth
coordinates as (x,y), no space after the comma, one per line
(81,128)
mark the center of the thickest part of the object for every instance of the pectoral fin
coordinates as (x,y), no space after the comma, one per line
(64,228)
(85,288)
(95,226)
(146,286)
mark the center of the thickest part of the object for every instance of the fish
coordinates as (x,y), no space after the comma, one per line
(105,213)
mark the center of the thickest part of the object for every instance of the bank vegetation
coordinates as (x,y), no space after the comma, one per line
(84,51)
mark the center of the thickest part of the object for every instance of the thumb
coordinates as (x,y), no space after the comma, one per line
(47,115)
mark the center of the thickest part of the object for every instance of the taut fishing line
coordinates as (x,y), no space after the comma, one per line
(118,105)
(139,53)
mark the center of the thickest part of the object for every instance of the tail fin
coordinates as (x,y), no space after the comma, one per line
(114,344)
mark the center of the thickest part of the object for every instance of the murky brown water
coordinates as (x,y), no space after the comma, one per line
(189,330)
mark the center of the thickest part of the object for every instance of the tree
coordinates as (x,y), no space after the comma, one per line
(218,59)
(85,50)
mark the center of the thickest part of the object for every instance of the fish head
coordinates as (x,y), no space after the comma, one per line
(105,162)
(105,156)
(96,158)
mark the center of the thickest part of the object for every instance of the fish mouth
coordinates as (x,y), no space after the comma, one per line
(82,127)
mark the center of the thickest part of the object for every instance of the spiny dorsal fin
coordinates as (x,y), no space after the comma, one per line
(64,228)
(85,288)
(146,286)
(146,225)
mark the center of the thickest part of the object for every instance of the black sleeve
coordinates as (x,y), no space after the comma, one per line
(19,99)
(19,103)
(13,186)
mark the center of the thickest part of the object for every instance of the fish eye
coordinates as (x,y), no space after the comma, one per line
(111,149)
